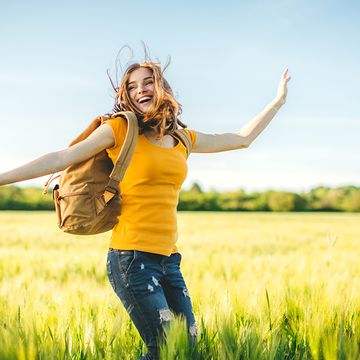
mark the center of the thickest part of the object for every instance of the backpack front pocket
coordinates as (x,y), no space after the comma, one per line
(76,207)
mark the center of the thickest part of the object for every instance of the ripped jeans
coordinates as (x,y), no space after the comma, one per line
(152,289)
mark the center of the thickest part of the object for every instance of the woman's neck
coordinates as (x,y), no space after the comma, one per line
(153,134)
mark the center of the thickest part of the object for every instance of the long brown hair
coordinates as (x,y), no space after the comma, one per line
(162,115)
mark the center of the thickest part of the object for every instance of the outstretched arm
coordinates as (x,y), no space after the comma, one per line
(50,163)
(208,143)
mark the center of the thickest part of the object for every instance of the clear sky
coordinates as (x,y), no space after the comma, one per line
(227,59)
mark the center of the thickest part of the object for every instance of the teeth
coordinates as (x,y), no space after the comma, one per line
(144,99)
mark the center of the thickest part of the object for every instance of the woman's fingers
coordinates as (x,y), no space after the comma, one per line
(284,74)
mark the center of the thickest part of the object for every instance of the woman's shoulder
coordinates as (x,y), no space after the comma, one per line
(117,121)
(119,128)
(191,133)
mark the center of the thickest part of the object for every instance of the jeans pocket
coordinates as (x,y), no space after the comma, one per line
(126,259)
(176,259)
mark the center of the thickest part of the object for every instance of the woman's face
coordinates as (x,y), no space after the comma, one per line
(140,88)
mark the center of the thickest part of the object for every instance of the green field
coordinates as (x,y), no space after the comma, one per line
(263,286)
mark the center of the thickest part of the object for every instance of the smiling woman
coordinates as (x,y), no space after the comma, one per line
(143,263)
(145,91)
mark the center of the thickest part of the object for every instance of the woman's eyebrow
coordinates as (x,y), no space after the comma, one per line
(149,77)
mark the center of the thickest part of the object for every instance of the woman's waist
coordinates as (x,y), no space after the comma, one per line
(152,256)
(139,201)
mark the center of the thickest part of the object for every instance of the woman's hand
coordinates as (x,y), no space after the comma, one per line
(282,89)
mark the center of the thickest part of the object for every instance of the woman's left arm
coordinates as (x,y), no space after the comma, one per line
(208,143)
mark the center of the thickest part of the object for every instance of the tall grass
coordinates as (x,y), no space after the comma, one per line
(263,286)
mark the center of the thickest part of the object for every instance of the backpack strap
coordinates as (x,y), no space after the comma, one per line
(185,139)
(125,154)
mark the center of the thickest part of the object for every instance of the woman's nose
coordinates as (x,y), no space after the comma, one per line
(140,89)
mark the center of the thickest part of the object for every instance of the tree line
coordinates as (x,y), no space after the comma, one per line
(321,198)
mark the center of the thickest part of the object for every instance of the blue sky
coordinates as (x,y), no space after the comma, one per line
(227,59)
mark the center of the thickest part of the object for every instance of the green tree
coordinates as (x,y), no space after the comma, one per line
(285,201)
(351,202)
(196,188)
(232,200)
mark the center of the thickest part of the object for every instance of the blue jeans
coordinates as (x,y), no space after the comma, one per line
(152,289)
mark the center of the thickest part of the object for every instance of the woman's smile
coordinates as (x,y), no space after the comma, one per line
(144,102)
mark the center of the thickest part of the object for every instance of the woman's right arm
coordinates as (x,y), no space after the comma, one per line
(100,139)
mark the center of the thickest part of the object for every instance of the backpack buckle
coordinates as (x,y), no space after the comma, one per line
(109,193)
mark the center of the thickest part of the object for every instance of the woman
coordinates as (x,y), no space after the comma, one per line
(143,262)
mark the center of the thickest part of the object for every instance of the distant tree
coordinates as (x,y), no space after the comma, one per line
(258,201)
(325,198)
(285,201)
(189,200)
(196,188)
(351,202)
(210,201)
(233,200)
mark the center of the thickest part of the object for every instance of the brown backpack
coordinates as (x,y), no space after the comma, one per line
(88,198)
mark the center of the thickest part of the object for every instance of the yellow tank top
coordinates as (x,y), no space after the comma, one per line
(150,193)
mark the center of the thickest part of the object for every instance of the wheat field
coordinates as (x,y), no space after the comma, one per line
(263,286)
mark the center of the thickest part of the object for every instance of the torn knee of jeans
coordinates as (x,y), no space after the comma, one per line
(185,292)
(165,315)
(193,329)
(155,281)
